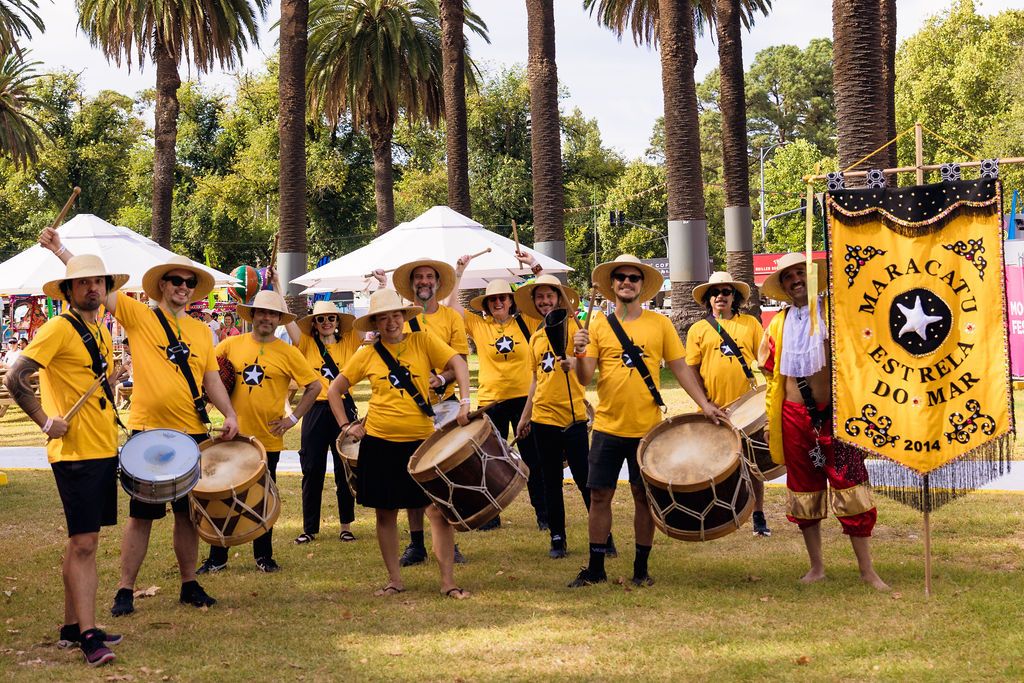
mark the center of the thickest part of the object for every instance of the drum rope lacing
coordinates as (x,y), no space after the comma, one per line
(675,506)
(260,517)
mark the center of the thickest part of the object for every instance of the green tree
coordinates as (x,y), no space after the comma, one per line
(19,139)
(784,189)
(16,16)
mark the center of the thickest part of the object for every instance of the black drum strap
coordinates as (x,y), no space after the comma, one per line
(329,363)
(733,347)
(181,352)
(403,378)
(99,365)
(523,327)
(636,358)
(414,324)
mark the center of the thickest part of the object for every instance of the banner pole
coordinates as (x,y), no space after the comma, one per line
(919,151)
(927,540)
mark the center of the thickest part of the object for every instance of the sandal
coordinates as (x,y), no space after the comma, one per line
(456,593)
(346,536)
(387,591)
(305,538)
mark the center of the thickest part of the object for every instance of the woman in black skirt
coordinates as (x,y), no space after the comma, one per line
(395,427)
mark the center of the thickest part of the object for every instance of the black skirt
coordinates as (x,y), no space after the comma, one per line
(383,480)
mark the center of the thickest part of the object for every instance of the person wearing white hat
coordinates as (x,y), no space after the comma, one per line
(711,346)
(398,420)
(174,357)
(426,282)
(502,338)
(327,340)
(555,411)
(82,450)
(629,401)
(799,401)
(265,367)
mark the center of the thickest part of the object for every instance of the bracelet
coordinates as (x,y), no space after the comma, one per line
(536,268)
(580,354)
(295,420)
(464,402)
(46,427)
(60,251)
(444,382)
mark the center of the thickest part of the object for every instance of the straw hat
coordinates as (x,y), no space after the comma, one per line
(772,287)
(524,295)
(385,301)
(602,277)
(494,287)
(402,278)
(84,265)
(345,320)
(268,301)
(719,278)
(151,280)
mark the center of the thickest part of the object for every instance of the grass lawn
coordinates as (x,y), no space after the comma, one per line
(730,609)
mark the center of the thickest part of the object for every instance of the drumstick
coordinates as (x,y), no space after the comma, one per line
(515,236)
(273,251)
(389,270)
(67,207)
(590,307)
(81,401)
(480,253)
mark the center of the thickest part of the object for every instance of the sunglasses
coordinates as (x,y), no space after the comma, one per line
(725,291)
(622,277)
(178,280)
(500,297)
(325,319)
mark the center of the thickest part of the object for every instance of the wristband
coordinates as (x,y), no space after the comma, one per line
(464,402)
(295,420)
(46,427)
(444,382)
(60,251)
(579,354)
(536,268)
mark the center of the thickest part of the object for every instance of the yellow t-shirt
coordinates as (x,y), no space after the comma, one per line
(504,355)
(340,351)
(447,325)
(66,374)
(626,408)
(393,414)
(263,374)
(722,373)
(551,397)
(162,398)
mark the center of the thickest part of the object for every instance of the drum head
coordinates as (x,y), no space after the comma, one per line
(689,450)
(228,464)
(349,448)
(159,455)
(450,440)
(445,412)
(747,413)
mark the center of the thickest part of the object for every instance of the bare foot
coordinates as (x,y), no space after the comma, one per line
(875,581)
(813,576)
(388,591)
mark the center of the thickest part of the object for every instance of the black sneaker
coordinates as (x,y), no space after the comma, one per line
(95,651)
(124,602)
(558,550)
(193,594)
(761,524)
(491,525)
(611,551)
(585,578)
(267,564)
(645,581)
(209,567)
(413,554)
(459,557)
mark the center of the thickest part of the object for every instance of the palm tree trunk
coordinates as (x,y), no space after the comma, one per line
(381,130)
(739,229)
(857,75)
(887,16)
(165,134)
(292,260)
(545,130)
(687,223)
(453,48)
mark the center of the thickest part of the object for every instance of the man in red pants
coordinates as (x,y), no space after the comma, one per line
(796,362)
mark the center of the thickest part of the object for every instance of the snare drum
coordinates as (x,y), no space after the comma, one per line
(749,414)
(236,501)
(348,449)
(697,483)
(159,465)
(469,472)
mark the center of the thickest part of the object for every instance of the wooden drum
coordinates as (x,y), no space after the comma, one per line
(749,415)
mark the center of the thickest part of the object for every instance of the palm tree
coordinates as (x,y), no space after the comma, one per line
(857,77)
(887,17)
(291,125)
(19,138)
(15,17)
(455,14)
(202,32)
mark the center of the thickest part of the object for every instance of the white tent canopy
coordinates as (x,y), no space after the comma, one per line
(123,251)
(439,233)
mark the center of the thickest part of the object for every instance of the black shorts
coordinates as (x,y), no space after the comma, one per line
(141,510)
(88,491)
(382,475)
(607,452)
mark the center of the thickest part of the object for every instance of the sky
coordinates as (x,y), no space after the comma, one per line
(619,84)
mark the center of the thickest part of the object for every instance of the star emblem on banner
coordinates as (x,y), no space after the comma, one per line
(547,361)
(919,321)
(504,344)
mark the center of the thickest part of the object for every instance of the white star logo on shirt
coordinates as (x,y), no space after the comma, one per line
(504,344)
(917,320)
(547,361)
(326,372)
(253,375)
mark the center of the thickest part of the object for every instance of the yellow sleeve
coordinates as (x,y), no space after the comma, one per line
(597,328)
(129,309)
(694,339)
(50,339)
(673,345)
(473,323)
(458,340)
(304,343)
(355,369)
(298,367)
(222,348)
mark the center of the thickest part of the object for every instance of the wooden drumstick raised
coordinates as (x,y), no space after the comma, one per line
(590,306)
(81,401)
(67,207)
(515,236)
(389,270)
(480,253)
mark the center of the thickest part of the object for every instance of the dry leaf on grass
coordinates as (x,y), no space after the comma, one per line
(346,614)
(9,593)
(150,672)
(32,662)
(499,572)
(120,677)
(896,596)
(363,660)
(753,579)
(619,581)
(309,556)
(14,630)
(764,598)
(147,592)
(803,659)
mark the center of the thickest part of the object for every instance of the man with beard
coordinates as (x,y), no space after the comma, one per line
(425,282)
(173,354)
(799,434)
(627,409)
(82,450)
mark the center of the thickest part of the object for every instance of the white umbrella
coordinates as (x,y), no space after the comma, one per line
(439,233)
(123,251)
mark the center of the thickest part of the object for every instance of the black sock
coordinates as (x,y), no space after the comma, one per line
(640,561)
(417,538)
(596,567)
(70,632)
